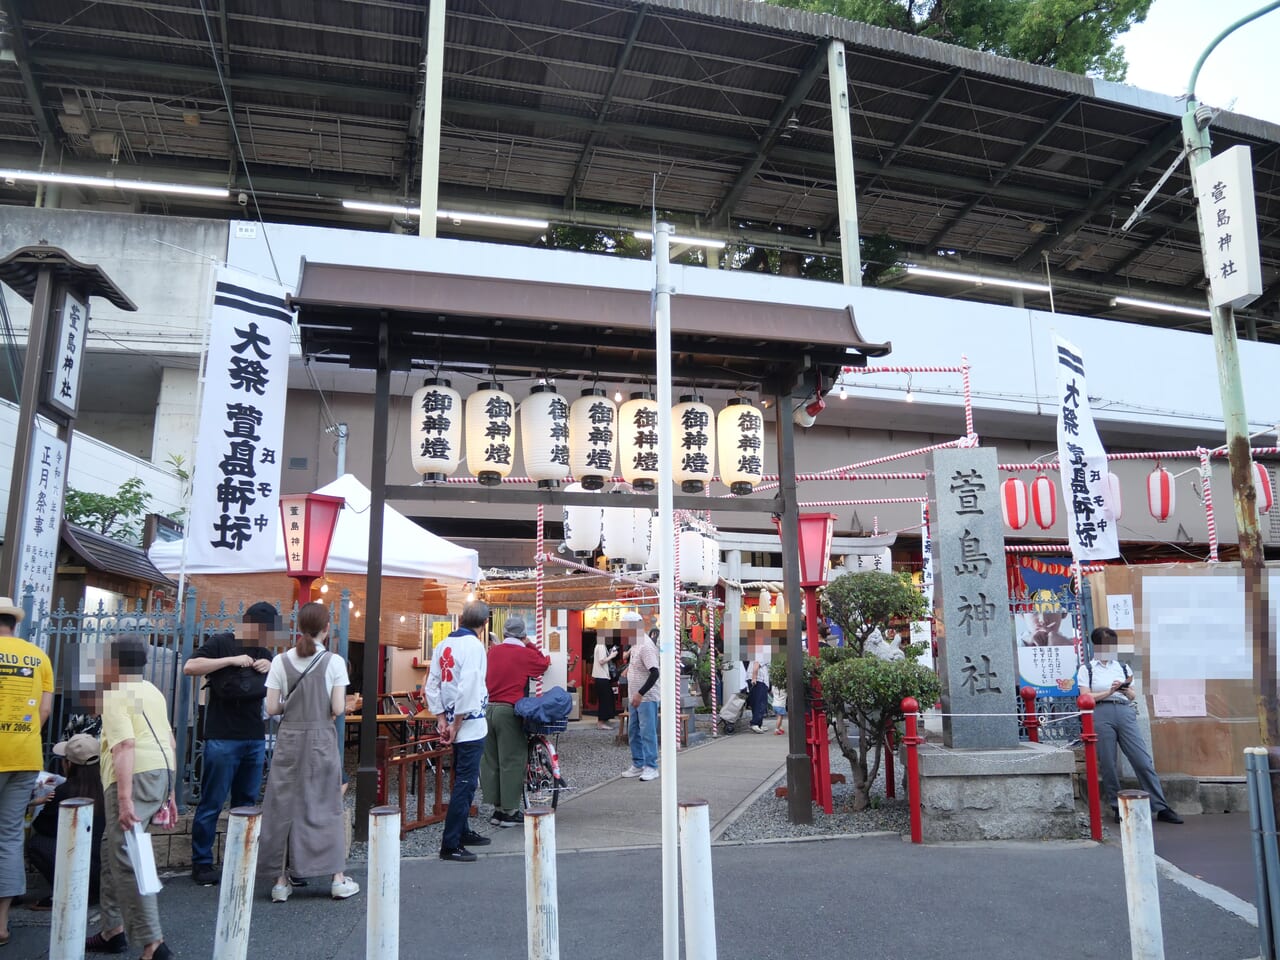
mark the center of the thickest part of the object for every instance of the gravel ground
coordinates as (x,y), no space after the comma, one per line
(587,757)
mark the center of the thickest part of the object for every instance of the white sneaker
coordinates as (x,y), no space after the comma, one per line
(633,771)
(280,892)
(757,729)
(341,889)
(650,773)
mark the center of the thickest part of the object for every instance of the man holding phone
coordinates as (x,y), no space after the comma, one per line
(1110,683)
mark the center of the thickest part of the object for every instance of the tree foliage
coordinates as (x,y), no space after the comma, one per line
(115,515)
(870,601)
(1074,35)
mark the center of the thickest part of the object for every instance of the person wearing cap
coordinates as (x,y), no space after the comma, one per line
(512,664)
(26,698)
(236,665)
(83,780)
(455,692)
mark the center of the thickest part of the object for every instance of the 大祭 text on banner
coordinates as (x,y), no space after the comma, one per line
(235,489)
(1090,517)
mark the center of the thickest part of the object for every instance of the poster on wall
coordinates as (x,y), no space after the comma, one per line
(1044,616)
(236,488)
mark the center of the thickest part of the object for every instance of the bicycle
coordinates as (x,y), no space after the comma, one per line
(542,779)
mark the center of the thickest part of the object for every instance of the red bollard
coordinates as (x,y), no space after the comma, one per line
(912,740)
(1030,719)
(1086,705)
(890,791)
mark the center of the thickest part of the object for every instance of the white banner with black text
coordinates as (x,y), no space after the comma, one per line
(1090,518)
(235,488)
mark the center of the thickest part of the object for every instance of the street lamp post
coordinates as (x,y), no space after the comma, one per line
(307,521)
(815,531)
(1195,132)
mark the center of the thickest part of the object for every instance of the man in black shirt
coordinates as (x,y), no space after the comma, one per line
(234,745)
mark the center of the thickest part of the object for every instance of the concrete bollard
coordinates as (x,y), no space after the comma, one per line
(697,881)
(541,898)
(71,879)
(382,932)
(235,893)
(1141,883)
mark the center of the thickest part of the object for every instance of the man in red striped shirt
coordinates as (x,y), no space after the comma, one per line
(512,664)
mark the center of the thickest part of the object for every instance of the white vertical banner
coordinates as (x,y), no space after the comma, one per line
(235,490)
(1091,524)
(1229,215)
(41,519)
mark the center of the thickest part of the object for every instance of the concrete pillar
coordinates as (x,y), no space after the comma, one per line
(432,101)
(842,135)
(176,416)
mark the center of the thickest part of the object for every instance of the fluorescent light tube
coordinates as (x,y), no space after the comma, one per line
(688,241)
(397,210)
(978,279)
(111,183)
(1161,307)
(492,218)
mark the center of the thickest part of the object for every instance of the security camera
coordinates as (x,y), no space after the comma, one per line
(242,198)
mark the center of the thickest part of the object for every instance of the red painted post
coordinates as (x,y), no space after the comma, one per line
(890,791)
(1030,719)
(912,740)
(1090,738)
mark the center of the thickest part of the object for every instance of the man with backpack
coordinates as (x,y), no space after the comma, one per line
(235,666)
(1110,683)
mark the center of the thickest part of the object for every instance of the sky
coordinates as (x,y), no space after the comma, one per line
(1162,50)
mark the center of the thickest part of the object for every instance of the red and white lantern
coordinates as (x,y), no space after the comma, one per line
(1262,484)
(1044,502)
(1113,495)
(1160,494)
(1014,503)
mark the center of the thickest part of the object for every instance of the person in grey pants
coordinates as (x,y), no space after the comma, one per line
(1110,683)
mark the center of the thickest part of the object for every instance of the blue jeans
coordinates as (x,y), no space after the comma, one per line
(466,774)
(642,732)
(231,767)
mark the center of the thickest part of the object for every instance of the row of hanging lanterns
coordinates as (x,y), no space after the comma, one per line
(591,439)
(1041,502)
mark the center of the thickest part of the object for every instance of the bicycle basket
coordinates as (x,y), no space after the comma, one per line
(532,727)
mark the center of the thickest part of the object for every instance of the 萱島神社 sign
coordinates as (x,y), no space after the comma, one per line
(1229,222)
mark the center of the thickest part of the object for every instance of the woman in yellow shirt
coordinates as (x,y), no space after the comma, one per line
(137,778)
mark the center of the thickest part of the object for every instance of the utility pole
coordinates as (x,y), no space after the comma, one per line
(1195,133)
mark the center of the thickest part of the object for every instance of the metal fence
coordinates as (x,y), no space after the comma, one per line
(77,640)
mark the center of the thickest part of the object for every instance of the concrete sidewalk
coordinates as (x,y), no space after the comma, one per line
(727,772)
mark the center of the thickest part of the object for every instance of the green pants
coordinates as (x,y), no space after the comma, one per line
(505,754)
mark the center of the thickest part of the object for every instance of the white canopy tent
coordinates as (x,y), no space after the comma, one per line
(407,549)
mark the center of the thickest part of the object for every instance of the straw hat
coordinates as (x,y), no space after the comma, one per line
(7,606)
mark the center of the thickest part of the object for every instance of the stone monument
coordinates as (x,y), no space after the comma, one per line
(981,783)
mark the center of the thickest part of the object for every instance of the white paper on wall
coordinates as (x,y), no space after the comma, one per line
(1196,628)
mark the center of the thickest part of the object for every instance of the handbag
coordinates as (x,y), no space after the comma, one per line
(166,818)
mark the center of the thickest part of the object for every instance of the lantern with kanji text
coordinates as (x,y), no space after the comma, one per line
(593,438)
(638,442)
(544,429)
(693,429)
(740,442)
(307,522)
(491,433)
(437,430)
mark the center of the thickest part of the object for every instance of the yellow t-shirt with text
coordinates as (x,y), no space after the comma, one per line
(126,708)
(25,677)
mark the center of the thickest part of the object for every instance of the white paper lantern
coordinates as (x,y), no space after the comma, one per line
(740,441)
(593,439)
(638,442)
(710,562)
(544,427)
(637,550)
(436,429)
(693,558)
(693,431)
(652,565)
(491,433)
(583,526)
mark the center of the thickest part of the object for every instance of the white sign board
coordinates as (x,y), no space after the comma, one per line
(235,493)
(1091,522)
(1120,611)
(1229,217)
(42,517)
(67,352)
